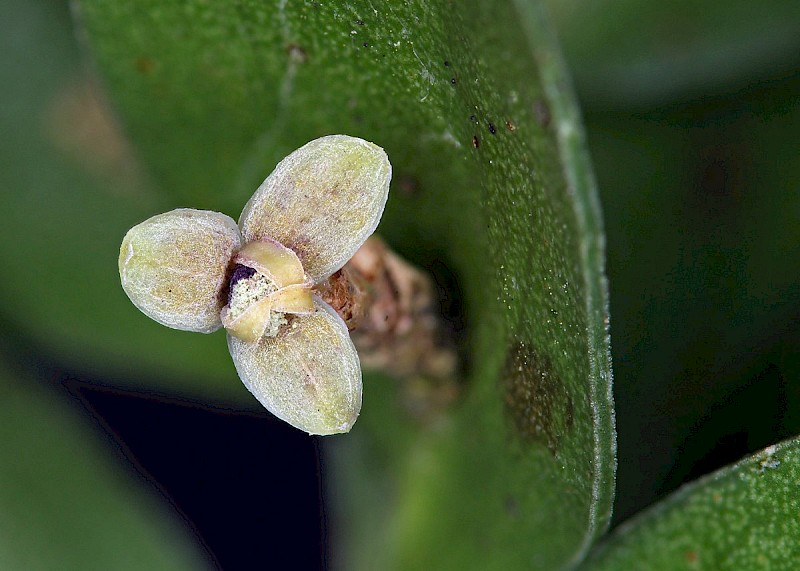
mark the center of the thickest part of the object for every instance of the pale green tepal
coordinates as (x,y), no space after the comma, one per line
(197,270)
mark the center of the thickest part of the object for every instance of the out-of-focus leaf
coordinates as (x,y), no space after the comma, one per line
(63,502)
(743,517)
(491,182)
(704,217)
(70,189)
(640,52)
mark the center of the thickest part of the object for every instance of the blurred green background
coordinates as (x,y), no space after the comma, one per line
(692,111)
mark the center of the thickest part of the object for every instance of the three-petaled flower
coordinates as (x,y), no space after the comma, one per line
(197,270)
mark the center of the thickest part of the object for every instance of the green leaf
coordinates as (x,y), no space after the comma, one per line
(64,504)
(644,52)
(71,188)
(744,516)
(492,185)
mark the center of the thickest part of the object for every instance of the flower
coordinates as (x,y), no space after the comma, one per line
(197,270)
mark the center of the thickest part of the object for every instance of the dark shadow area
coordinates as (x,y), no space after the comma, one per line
(699,198)
(247,485)
(749,419)
(246,482)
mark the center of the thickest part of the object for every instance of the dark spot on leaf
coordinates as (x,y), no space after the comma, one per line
(476,142)
(144,65)
(510,125)
(473,118)
(296,53)
(446,63)
(366,45)
(569,413)
(512,507)
(542,112)
(453,80)
(536,400)
(408,185)
(492,128)
(691,556)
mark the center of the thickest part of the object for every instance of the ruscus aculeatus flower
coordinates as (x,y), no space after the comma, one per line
(197,270)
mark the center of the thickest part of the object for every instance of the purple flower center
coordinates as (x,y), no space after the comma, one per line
(240,272)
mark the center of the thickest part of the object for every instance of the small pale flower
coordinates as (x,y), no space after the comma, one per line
(197,270)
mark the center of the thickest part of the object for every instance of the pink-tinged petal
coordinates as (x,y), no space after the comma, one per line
(322,201)
(307,375)
(173,267)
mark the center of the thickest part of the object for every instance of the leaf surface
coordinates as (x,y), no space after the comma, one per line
(741,517)
(492,191)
